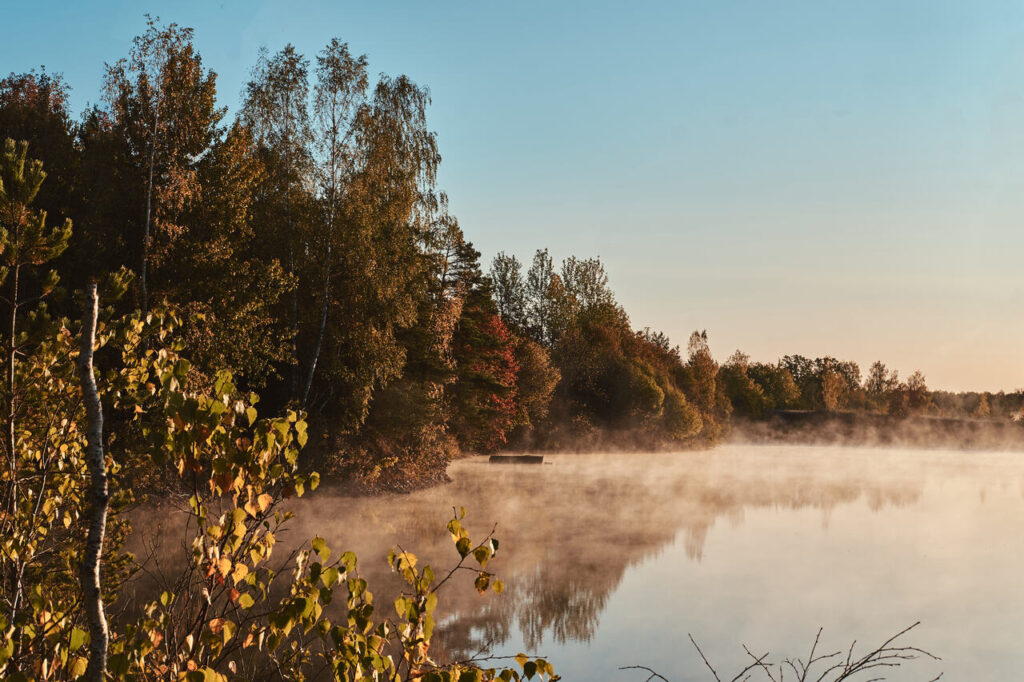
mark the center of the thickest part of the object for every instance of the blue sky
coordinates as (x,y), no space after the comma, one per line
(821,177)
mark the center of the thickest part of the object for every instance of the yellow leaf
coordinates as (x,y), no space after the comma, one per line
(78,666)
(406,559)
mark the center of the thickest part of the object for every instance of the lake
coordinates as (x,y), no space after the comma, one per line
(612,560)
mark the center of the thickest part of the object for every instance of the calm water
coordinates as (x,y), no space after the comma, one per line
(611,560)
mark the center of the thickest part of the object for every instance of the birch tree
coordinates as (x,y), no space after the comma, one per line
(162,101)
(99,495)
(276,110)
(339,95)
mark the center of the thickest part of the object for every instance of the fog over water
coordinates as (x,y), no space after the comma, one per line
(611,560)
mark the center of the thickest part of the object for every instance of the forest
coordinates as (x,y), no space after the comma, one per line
(308,251)
(301,256)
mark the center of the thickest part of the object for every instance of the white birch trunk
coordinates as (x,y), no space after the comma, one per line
(99,494)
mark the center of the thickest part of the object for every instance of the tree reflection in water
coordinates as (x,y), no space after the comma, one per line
(569,531)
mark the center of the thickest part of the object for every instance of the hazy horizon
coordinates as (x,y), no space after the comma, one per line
(810,179)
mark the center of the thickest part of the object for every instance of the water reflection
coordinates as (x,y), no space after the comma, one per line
(572,529)
(611,559)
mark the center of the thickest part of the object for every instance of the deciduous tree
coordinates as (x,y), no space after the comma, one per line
(509,291)
(162,103)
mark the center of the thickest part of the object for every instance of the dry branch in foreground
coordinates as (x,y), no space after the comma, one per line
(836,666)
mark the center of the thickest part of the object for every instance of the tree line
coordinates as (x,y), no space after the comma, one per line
(795,382)
(308,250)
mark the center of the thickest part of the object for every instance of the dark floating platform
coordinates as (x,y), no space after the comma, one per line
(516,459)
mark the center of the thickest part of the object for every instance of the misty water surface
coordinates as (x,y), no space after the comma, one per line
(611,560)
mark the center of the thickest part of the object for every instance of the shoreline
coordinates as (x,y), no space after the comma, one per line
(814,427)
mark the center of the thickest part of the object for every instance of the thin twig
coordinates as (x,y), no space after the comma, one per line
(705,658)
(652,675)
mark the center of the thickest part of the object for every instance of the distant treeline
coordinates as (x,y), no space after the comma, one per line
(310,253)
(828,384)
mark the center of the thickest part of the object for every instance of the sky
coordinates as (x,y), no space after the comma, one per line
(814,178)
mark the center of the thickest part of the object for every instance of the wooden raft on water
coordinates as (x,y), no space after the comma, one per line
(516,459)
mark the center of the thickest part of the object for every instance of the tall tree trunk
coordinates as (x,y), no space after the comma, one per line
(146,231)
(99,492)
(331,203)
(17,566)
(12,350)
(320,333)
(294,388)
(293,391)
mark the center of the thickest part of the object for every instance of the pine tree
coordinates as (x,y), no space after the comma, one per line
(26,242)
(483,397)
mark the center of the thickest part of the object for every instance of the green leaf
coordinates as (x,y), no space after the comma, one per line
(250,414)
(246,601)
(455,528)
(463,546)
(403,607)
(330,576)
(117,665)
(78,638)
(320,547)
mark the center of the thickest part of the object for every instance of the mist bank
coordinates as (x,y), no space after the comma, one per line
(820,427)
(563,556)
